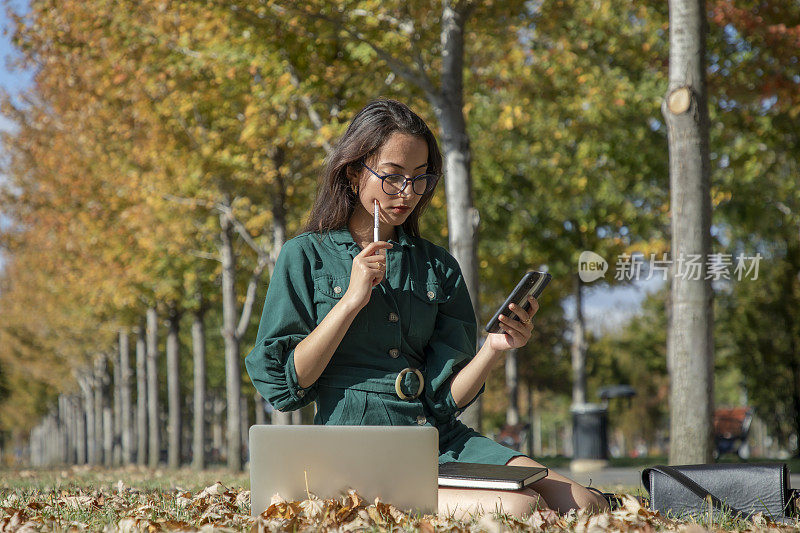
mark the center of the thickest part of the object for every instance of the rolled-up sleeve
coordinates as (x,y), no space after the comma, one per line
(452,344)
(287,319)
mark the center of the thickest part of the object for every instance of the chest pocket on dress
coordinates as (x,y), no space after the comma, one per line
(425,301)
(328,291)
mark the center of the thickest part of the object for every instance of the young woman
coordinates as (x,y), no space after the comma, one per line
(383,333)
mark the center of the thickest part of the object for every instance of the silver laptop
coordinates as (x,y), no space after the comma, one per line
(399,464)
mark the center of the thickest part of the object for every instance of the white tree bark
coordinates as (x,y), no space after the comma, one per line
(217,433)
(65,426)
(173,390)
(578,348)
(62,423)
(690,355)
(125,396)
(261,414)
(535,417)
(199,401)
(85,383)
(99,403)
(80,429)
(116,403)
(108,436)
(229,334)
(512,388)
(244,444)
(153,421)
(141,396)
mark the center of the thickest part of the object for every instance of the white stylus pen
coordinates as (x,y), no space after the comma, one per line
(376,228)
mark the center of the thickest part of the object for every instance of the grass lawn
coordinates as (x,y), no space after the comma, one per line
(140,499)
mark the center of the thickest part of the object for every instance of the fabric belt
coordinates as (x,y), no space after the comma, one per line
(407,384)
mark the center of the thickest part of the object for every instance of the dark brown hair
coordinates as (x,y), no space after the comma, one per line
(366,134)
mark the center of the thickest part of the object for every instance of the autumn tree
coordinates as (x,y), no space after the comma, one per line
(754,71)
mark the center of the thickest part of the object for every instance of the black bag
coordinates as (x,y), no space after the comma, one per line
(735,490)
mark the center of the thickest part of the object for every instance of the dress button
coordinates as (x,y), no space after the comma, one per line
(337,289)
(421,420)
(301,393)
(431,294)
(394,353)
(393,317)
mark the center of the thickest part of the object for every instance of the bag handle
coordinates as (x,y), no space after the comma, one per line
(690,484)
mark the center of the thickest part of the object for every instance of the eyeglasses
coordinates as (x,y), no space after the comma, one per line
(393,184)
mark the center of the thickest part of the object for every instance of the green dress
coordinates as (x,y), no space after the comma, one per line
(420,316)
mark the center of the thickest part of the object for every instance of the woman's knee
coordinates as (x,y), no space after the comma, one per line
(523,502)
(560,492)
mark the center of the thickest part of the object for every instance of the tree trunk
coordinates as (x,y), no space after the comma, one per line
(690,341)
(108,436)
(99,401)
(85,383)
(260,413)
(64,442)
(232,371)
(154,451)
(217,432)
(512,388)
(80,430)
(116,402)
(141,396)
(462,217)
(65,424)
(37,446)
(245,425)
(794,366)
(125,397)
(199,357)
(536,424)
(60,443)
(578,348)
(32,447)
(173,390)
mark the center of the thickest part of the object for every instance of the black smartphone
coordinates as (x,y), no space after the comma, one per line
(532,283)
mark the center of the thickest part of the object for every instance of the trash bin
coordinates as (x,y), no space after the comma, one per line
(589,431)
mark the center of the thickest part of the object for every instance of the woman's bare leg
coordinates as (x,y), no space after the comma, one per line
(463,503)
(561,493)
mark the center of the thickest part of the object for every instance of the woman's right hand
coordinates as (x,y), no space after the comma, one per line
(369,268)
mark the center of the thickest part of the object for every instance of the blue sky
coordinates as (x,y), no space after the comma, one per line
(15,80)
(12,81)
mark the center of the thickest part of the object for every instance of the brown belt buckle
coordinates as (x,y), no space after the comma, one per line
(399,381)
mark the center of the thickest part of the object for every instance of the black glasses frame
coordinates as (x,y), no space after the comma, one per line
(430,181)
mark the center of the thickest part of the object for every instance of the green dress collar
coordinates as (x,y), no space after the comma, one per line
(344,239)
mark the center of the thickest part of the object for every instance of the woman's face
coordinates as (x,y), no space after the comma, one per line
(401,154)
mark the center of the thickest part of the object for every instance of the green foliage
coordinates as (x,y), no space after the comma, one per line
(754,142)
(761,334)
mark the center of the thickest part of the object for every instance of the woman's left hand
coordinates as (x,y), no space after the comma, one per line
(517,332)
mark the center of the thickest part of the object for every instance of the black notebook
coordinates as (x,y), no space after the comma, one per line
(480,476)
